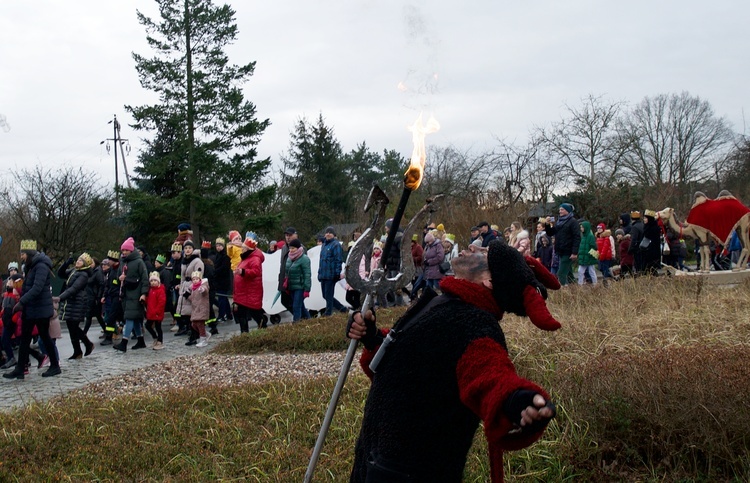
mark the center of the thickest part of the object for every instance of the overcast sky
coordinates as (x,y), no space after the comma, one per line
(484,69)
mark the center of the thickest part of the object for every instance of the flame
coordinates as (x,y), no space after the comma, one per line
(413,175)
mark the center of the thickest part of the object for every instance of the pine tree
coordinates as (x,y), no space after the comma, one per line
(316,187)
(201,165)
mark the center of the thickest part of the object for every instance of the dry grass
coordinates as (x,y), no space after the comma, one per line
(650,377)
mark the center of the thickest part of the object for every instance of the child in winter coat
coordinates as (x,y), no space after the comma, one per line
(234,249)
(10,321)
(544,252)
(605,244)
(156,302)
(587,254)
(198,295)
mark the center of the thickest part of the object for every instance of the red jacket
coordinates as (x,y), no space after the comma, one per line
(156,300)
(248,284)
(605,246)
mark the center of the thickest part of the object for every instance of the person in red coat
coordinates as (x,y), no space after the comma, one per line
(248,285)
(605,245)
(448,369)
(156,302)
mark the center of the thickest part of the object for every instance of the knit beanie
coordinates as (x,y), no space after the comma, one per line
(295,243)
(567,207)
(620,231)
(188,243)
(128,245)
(429,238)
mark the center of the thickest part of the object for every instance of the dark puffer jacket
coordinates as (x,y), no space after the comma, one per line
(134,285)
(567,235)
(36,298)
(74,300)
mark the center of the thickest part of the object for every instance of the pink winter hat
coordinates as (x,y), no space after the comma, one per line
(128,245)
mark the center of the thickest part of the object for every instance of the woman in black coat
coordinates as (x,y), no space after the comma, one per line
(651,255)
(74,304)
(36,306)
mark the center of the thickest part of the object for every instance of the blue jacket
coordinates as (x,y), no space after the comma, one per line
(36,297)
(331,258)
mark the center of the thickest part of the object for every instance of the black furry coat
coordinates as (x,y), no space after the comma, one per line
(448,369)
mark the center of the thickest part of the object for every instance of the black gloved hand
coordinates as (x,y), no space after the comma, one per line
(186,295)
(520,400)
(372,337)
(18,307)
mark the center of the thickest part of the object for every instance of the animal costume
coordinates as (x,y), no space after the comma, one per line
(448,369)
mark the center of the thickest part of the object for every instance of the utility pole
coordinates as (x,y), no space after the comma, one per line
(117,139)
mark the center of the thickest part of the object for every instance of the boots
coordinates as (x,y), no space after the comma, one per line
(140,344)
(107,339)
(77,352)
(243,325)
(89,346)
(16,373)
(122,346)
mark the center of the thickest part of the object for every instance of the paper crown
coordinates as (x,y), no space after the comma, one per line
(176,247)
(450,237)
(28,244)
(650,213)
(161,258)
(196,274)
(635,214)
(87,260)
(220,241)
(206,244)
(154,275)
(113,254)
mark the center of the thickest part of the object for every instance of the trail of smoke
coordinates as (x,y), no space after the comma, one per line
(4,123)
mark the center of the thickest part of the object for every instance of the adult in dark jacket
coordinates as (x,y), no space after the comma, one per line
(329,270)
(300,280)
(286,299)
(223,283)
(96,280)
(421,422)
(74,304)
(110,295)
(36,304)
(652,254)
(487,234)
(567,235)
(134,288)
(636,237)
(625,223)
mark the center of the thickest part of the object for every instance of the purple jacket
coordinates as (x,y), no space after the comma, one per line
(432,257)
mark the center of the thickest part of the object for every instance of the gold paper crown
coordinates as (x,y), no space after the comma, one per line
(196,274)
(650,213)
(28,244)
(154,275)
(220,241)
(87,260)
(176,247)
(113,254)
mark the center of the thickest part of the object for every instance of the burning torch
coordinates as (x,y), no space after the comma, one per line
(378,283)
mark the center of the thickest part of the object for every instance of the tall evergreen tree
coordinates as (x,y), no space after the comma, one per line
(316,186)
(201,165)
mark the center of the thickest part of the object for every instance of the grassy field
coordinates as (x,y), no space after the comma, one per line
(650,376)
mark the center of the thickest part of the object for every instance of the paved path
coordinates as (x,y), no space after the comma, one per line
(104,362)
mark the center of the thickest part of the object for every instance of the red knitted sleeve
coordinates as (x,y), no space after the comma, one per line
(367,356)
(486,377)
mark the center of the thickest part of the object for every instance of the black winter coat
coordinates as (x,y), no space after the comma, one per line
(222,273)
(74,300)
(36,298)
(567,236)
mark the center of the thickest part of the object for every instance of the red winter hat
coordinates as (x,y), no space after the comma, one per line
(280,244)
(601,226)
(233,234)
(520,284)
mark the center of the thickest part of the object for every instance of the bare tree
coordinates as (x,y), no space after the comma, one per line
(674,139)
(586,140)
(64,211)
